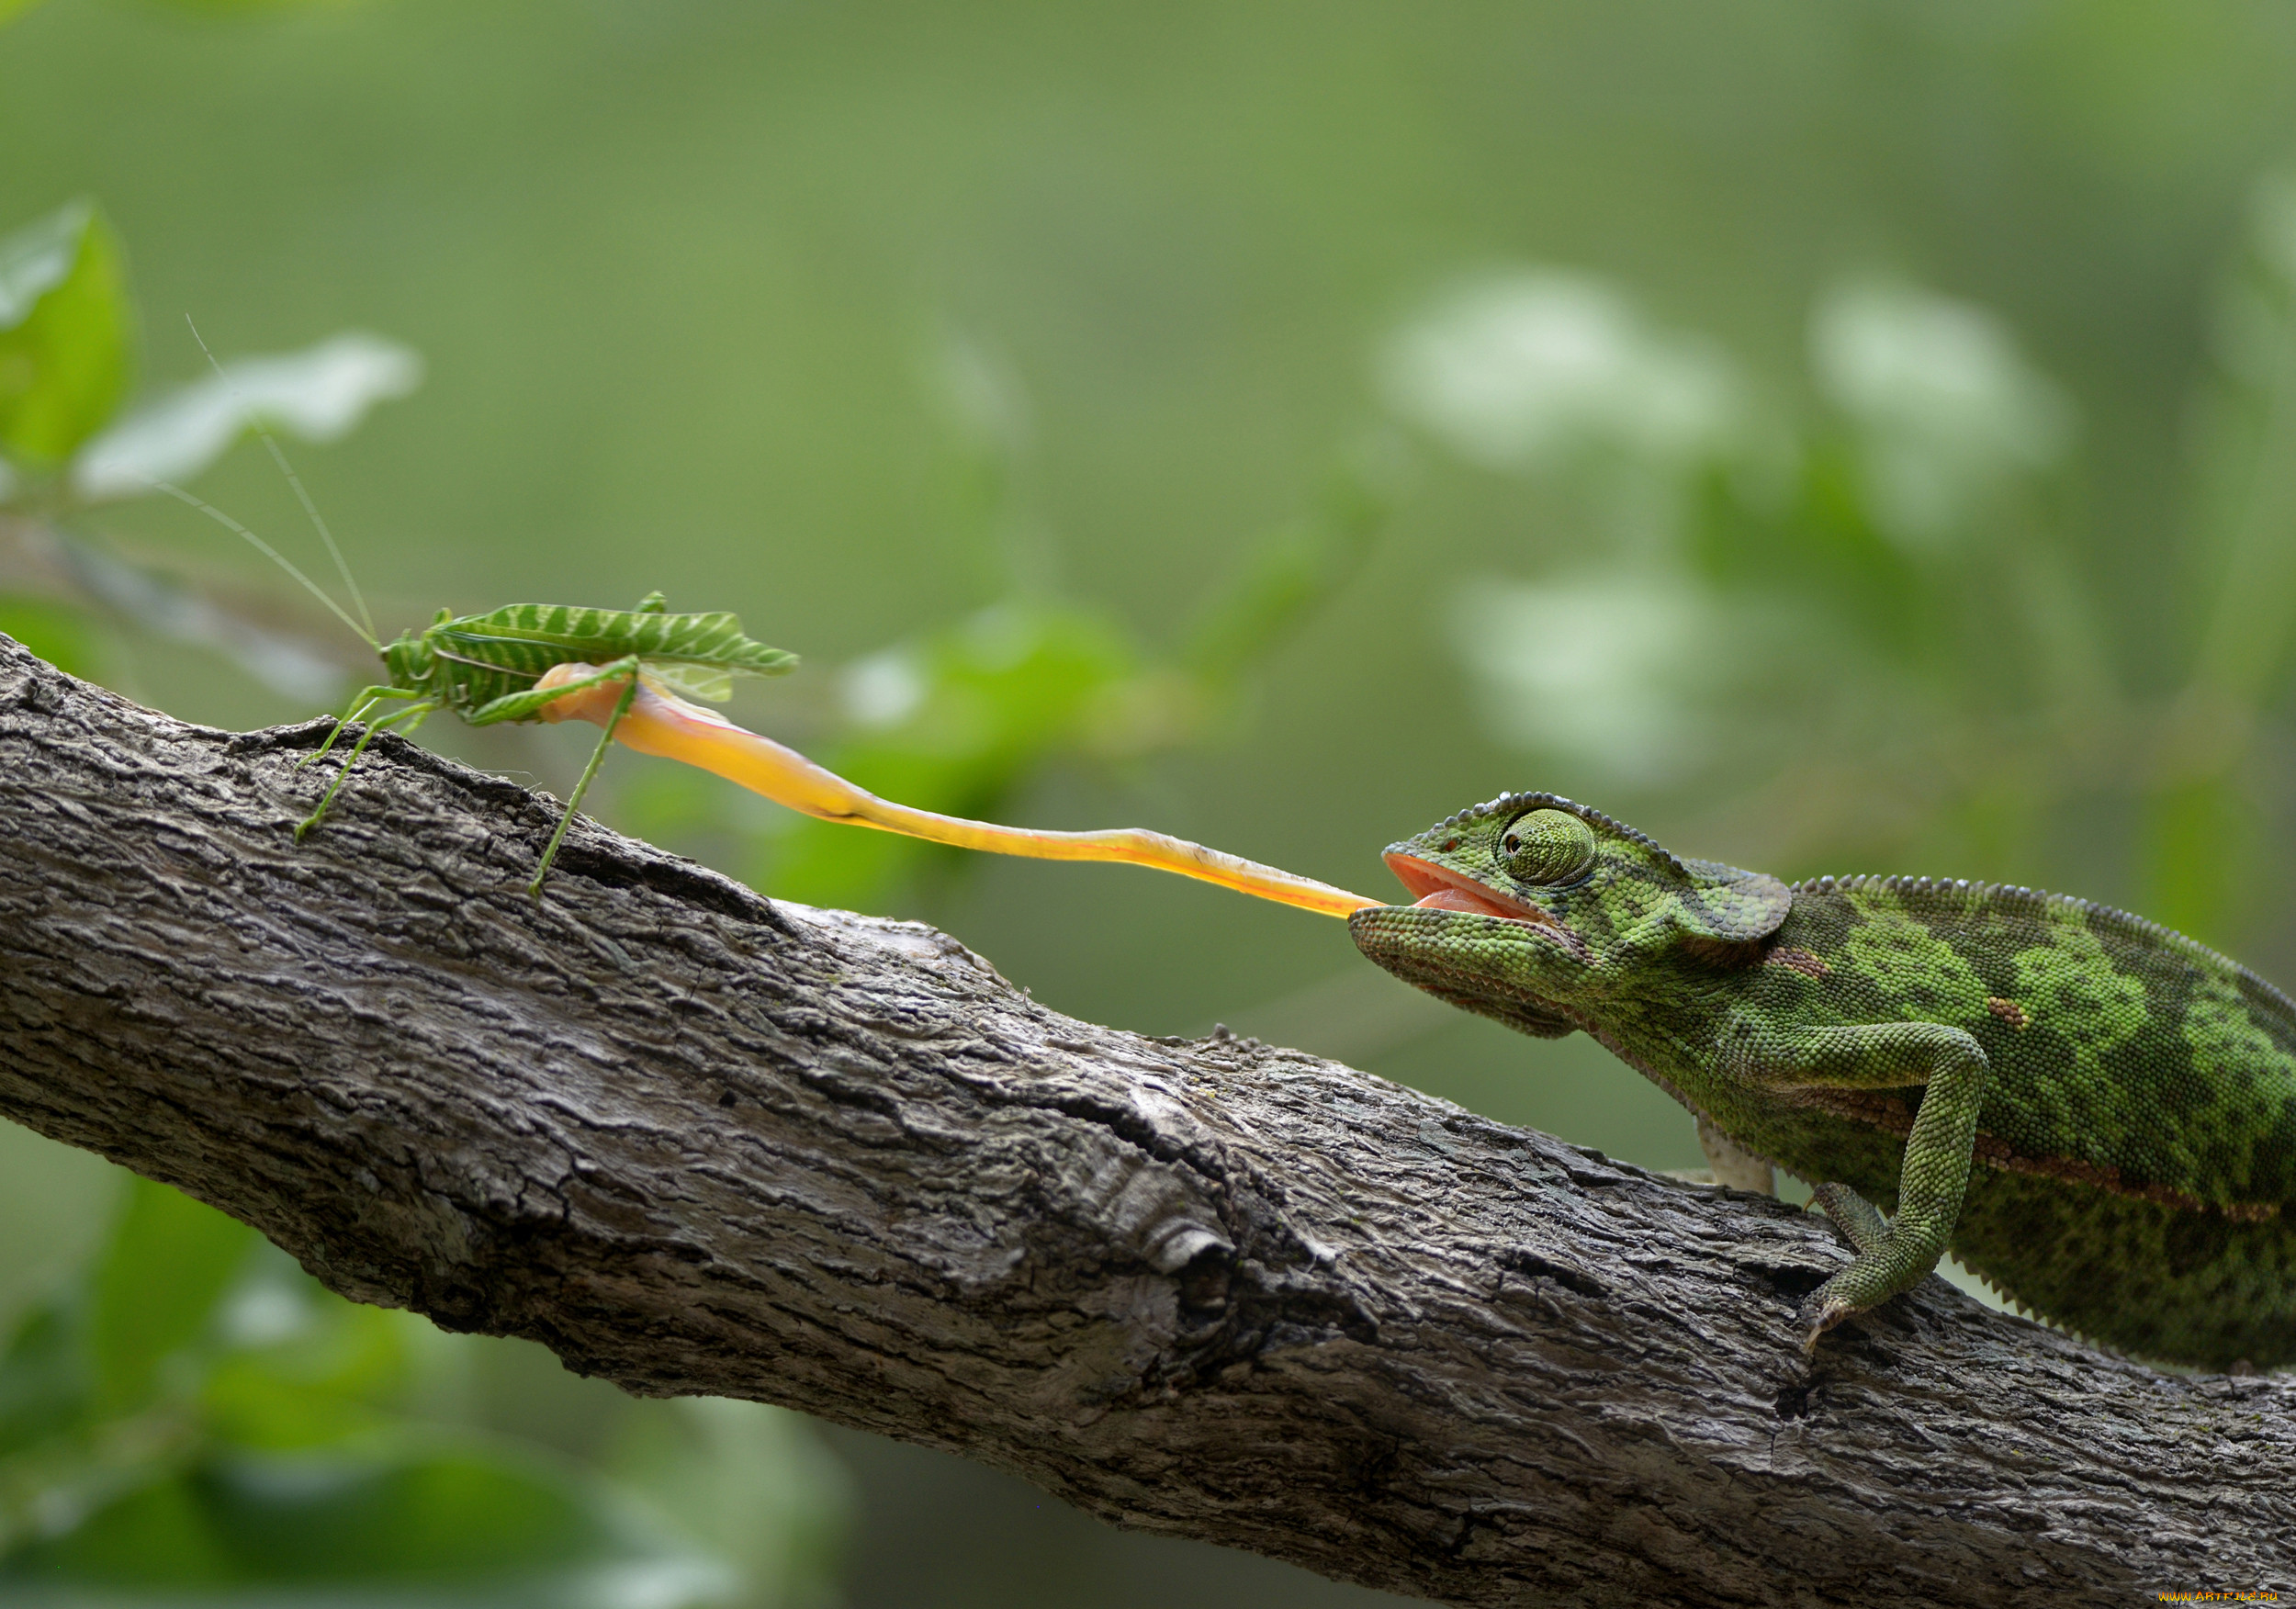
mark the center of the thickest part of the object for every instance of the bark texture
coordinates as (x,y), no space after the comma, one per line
(696,1142)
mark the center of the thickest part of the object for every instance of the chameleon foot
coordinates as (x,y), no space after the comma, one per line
(1819,1314)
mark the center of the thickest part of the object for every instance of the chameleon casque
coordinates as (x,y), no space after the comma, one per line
(2126,1096)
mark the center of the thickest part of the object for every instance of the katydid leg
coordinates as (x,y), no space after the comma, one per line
(414,714)
(361,707)
(597,757)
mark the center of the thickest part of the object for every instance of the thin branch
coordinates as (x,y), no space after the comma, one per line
(695,1141)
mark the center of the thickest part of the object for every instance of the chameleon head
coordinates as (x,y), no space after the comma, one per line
(1530,903)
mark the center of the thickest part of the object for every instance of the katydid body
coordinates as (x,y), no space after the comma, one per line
(486,668)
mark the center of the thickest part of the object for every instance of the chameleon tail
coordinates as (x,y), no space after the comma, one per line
(659,723)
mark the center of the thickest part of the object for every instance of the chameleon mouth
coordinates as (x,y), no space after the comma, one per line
(1441,889)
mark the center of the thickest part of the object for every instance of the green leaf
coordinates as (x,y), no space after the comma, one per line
(56,632)
(1284,578)
(958,725)
(11,8)
(299,1368)
(43,1379)
(458,1522)
(320,394)
(200,1416)
(168,1264)
(752,1483)
(250,7)
(63,333)
(287,664)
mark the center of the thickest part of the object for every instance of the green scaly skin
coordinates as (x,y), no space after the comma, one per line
(2094,1113)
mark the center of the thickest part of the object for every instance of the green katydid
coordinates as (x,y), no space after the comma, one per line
(625,669)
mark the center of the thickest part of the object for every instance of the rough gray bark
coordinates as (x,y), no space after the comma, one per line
(695,1142)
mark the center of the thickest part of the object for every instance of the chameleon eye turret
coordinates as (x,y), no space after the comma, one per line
(1546,847)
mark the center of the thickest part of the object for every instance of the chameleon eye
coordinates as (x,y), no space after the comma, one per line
(1546,847)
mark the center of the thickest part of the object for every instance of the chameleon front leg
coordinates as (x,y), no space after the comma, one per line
(1899,1253)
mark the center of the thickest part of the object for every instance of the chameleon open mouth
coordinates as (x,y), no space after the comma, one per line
(1441,889)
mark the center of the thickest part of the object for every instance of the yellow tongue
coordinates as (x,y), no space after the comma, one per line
(659,722)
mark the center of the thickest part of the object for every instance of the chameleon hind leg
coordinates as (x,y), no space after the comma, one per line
(1897,1253)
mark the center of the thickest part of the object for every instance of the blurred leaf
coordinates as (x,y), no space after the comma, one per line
(2203,835)
(2249,516)
(320,394)
(435,1526)
(287,664)
(199,1415)
(56,632)
(1284,578)
(11,9)
(1947,409)
(2203,844)
(63,333)
(43,1379)
(751,1482)
(251,7)
(299,1368)
(1543,370)
(955,723)
(156,1288)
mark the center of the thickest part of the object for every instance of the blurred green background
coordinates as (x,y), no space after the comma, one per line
(1835,437)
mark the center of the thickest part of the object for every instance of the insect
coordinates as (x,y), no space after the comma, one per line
(632,672)
(489,668)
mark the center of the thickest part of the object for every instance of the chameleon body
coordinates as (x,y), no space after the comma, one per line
(2096,1114)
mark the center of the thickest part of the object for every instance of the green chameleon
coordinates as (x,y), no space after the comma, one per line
(2130,1095)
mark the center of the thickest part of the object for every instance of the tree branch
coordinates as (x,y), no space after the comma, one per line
(695,1142)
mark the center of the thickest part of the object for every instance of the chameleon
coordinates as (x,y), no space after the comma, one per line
(2095,1114)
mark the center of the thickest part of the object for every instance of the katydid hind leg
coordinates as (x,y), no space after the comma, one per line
(597,757)
(526,706)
